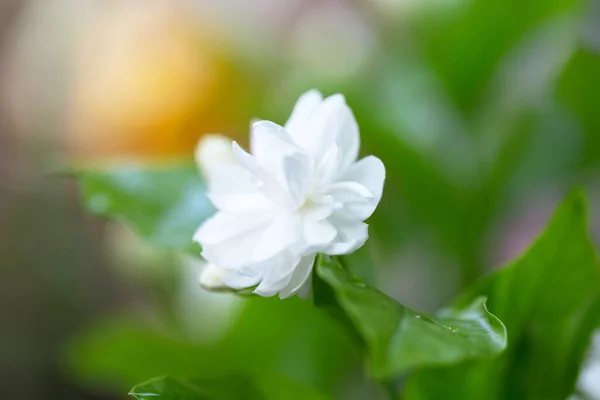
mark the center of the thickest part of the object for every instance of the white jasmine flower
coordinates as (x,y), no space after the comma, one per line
(301,191)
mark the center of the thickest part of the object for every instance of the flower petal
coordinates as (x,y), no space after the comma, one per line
(369,172)
(213,277)
(223,226)
(296,171)
(351,236)
(320,207)
(360,190)
(299,277)
(276,152)
(332,124)
(355,202)
(348,137)
(303,110)
(328,167)
(270,143)
(277,273)
(236,280)
(261,178)
(230,190)
(320,131)
(236,246)
(280,234)
(317,235)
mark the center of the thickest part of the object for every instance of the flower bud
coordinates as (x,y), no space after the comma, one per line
(213,151)
(211,277)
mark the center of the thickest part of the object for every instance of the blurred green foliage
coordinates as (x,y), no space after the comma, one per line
(163,204)
(289,338)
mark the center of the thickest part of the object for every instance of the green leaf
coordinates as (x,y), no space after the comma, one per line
(167,388)
(491,27)
(399,339)
(163,204)
(549,300)
(267,387)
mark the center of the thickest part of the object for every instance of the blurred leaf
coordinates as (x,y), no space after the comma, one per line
(578,90)
(541,149)
(163,204)
(526,138)
(465,44)
(275,386)
(267,387)
(415,187)
(306,346)
(549,300)
(412,103)
(523,79)
(399,339)
(120,353)
(417,195)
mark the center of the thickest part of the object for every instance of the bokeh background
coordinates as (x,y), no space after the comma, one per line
(486,113)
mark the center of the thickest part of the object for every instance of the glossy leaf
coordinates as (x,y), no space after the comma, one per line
(399,339)
(267,387)
(163,204)
(549,300)
(167,388)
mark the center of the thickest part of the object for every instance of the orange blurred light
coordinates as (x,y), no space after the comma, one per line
(146,83)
